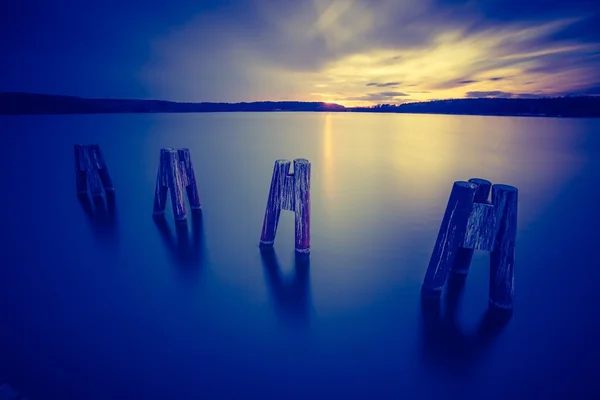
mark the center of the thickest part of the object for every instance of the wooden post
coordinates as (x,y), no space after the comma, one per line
(302,204)
(100,165)
(189,179)
(274,202)
(450,237)
(502,279)
(463,258)
(92,176)
(169,178)
(289,192)
(160,193)
(80,169)
(90,168)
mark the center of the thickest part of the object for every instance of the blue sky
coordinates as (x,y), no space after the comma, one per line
(346,51)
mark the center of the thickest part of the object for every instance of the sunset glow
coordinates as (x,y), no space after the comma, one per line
(363,53)
(349,52)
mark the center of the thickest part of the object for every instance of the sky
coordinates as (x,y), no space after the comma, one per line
(350,52)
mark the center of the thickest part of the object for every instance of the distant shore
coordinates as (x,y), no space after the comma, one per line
(16,103)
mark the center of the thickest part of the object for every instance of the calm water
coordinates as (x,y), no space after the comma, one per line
(101,308)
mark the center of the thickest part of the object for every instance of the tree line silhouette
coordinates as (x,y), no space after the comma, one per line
(14,103)
(576,106)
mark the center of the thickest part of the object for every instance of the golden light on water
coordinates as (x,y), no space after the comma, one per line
(424,160)
(418,162)
(328,173)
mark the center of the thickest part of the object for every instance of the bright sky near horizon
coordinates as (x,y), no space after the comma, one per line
(350,52)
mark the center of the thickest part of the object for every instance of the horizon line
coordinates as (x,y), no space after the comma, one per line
(299,101)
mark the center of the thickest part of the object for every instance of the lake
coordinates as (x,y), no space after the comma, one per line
(116,308)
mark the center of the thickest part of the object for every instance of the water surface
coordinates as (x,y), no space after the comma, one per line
(117,307)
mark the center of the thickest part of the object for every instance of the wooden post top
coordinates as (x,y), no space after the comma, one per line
(465,185)
(296,161)
(505,188)
(480,181)
(473,183)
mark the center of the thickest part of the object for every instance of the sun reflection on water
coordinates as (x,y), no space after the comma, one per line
(328,173)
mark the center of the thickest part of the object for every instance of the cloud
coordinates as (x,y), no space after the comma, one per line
(294,49)
(494,93)
(243,50)
(387,84)
(376,97)
(501,94)
(452,83)
(392,94)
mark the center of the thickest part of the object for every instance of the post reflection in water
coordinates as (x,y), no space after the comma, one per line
(187,254)
(291,295)
(443,340)
(101,214)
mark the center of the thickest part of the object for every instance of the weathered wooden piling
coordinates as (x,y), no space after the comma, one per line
(301,204)
(176,171)
(93,178)
(80,169)
(289,192)
(169,178)
(189,178)
(90,169)
(502,261)
(274,202)
(450,237)
(470,223)
(100,165)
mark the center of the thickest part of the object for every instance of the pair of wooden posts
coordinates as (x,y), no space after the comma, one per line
(175,172)
(289,191)
(470,221)
(90,169)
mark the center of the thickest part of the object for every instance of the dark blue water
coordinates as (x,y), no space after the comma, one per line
(115,308)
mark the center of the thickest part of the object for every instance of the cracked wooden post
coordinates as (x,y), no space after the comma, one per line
(169,178)
(189,179)
(463,257)
(274,202)
(90,169)
(99,164)
(450,237)
(93,177)
(160,193)
(301,202)
(80,169)
(289,192)
(502,260)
